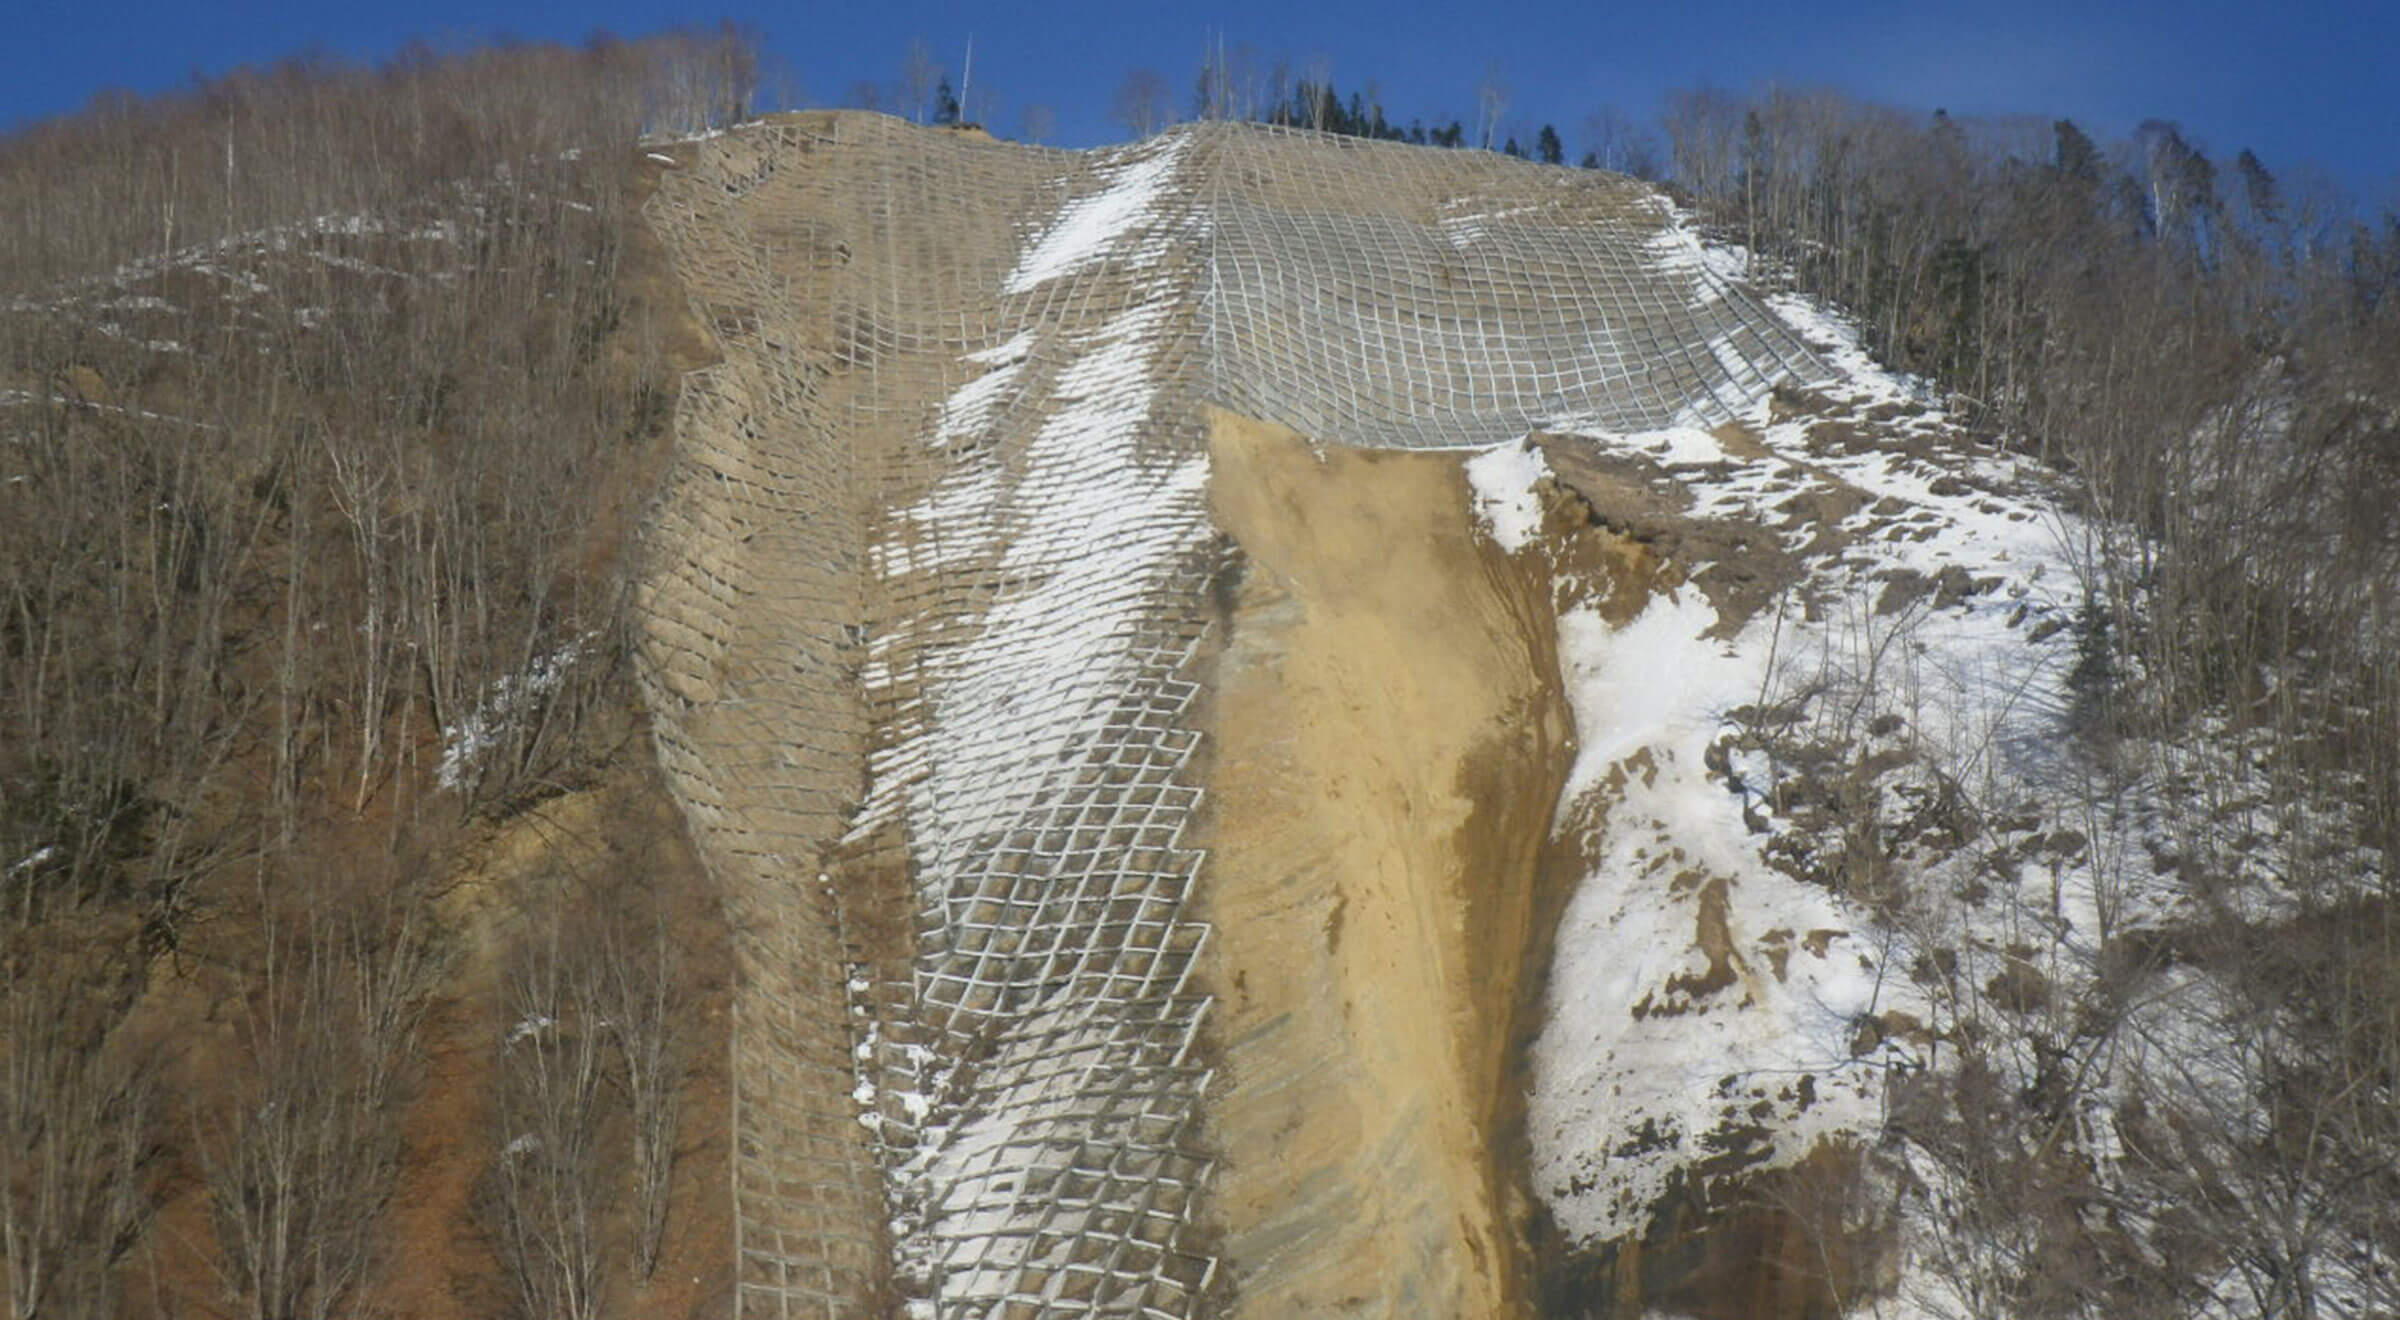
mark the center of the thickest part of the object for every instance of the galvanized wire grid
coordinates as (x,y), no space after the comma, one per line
(938,523)
(1381,295)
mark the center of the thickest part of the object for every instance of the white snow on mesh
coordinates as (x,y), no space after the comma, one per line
(1088,228)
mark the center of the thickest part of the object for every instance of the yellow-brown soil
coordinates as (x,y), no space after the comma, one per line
(436,1260)
(441,1264)
(1389,743)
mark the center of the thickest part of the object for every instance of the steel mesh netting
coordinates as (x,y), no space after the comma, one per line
(1042,565)
(1382,295)
(753,573)
(939,523)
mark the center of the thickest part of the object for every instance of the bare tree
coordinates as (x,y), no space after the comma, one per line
(76,1101)
(1036,122)
(919,71)
(361,491)
(1209,95)
(1704,132)
(1246,91)
(643,998)
(1278,91)
(549,1188)
(1491,102)
(300,1160)
(1140,102)
(1316,83)
(1619,143)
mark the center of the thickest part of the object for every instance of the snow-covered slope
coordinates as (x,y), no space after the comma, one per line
(1719,971)
(1861,859)
(935,612)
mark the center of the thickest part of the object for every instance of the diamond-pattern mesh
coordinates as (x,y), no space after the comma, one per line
(925,594)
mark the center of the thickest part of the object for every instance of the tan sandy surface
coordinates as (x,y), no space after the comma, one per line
(1389,743)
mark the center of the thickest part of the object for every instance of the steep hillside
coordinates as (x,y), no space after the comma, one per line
(319,773)
(1307,726)
(938,607)
(837,718)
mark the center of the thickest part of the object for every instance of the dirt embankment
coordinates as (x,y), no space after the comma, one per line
(1389,743)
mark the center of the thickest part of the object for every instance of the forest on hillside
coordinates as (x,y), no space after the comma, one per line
(2209,360)
(327,394)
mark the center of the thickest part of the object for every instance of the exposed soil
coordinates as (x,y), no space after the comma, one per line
(437,1262)
(1372,927)
(440,1264)
(1629,499)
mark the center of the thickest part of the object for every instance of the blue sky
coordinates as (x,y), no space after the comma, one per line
(2306,80)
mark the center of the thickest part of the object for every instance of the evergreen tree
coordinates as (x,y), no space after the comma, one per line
(2182,188)
(1315,106)
(945,104)
(1548,147)
(1512,149)
(2077,157)
(2092,683)
(2258,188)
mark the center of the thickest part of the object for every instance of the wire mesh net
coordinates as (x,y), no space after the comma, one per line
(926,591)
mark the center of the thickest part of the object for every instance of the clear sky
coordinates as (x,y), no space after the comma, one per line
(2298,81)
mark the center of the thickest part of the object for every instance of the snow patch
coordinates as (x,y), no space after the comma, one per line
(1089,228)
(1057,494)
(1507,506)
(1636,1074)
(466,743)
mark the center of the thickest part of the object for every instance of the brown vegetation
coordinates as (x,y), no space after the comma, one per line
(325,396)
(79,1104)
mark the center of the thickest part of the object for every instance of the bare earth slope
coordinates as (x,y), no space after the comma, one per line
(930,615)
(1388,741)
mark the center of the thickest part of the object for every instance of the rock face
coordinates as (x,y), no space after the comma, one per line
(1136,791)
